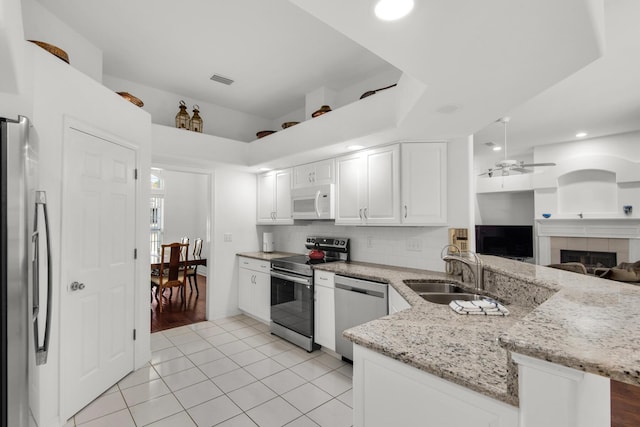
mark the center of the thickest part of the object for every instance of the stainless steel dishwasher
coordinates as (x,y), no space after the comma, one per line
(357,301)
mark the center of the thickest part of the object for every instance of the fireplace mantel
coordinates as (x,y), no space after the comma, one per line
(616,228)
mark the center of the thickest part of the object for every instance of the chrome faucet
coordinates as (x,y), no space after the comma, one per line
(478,271)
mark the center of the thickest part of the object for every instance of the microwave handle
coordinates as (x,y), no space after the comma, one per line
(317,203)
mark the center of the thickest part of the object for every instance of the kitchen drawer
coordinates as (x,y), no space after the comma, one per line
(324,278)
(254,264)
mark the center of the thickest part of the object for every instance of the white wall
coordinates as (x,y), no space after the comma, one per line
(579,170)
(217,120)
(186,207)
(42,25)
(234,214)
(515,208)
(62,92)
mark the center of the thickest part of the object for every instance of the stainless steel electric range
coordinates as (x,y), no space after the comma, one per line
(292,290)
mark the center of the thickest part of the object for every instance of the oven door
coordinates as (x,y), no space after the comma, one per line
(292,302)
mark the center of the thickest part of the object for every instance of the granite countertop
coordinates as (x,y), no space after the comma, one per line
(578,321)
(435,339)
(589,324)
(266,256)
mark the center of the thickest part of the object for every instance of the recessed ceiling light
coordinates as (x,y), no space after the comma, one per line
(355,147)
(264,169)
(497,148)
(390,10)
(581,134)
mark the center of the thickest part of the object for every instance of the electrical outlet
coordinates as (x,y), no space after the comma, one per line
(414,244)
(370,242)
(227,237)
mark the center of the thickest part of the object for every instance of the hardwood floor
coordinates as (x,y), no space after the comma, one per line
(625,405)
(176,312)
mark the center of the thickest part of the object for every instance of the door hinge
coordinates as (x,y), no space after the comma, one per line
(134,334)
(135,253)
(135,173)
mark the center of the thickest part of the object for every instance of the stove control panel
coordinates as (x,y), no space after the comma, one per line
(340,244)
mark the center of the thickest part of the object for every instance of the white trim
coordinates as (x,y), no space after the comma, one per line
(616,228)
(548,367)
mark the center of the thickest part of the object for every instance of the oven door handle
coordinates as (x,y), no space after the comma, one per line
(291,278)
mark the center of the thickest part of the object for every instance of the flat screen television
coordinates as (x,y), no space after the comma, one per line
(512,241)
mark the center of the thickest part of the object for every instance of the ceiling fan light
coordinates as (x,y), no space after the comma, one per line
(391,10)
(497,148)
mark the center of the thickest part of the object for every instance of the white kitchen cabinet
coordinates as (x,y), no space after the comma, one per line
(423,182)
(324,310)
(397,394)
(317,173)
(274,198)
(254,288)
(368,187)
(396,302)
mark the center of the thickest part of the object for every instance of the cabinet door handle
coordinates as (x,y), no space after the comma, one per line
(405,211)
(365,213)
(360,213)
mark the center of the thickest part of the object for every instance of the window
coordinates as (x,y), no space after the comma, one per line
(157,204)
(156,217)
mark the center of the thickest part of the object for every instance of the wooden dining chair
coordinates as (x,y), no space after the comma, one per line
(171,270)
(192,272)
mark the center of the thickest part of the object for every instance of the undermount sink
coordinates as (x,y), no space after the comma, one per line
(446,298)
(420,286)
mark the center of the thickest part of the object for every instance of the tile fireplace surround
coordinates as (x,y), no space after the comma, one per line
(619,235)
(618,246)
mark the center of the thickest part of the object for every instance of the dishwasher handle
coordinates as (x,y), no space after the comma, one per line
(376,289)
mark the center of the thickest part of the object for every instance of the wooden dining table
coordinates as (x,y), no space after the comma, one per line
(155,261)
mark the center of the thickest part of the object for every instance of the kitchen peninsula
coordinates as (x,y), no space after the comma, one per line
(565,336)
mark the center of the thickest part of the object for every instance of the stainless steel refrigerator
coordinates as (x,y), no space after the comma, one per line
(25,266)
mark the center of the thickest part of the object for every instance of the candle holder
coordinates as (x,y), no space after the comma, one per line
(182,118)
(196,120)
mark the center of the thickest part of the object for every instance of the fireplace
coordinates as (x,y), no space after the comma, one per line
(590,259)
(614,235)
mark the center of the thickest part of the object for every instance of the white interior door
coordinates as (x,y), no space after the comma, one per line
(97,289)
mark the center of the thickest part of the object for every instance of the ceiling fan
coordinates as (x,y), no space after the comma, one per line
(507,165)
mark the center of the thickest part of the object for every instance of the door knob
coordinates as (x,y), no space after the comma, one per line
(76,286)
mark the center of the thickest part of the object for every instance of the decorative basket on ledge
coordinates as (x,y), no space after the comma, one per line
(132,99)
(54,50)
(264,133)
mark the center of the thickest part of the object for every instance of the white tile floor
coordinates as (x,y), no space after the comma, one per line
(229,372)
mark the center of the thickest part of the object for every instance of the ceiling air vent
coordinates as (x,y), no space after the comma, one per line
(221,79)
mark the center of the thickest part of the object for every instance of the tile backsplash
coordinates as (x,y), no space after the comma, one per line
(414,247)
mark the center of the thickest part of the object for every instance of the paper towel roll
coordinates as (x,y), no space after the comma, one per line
(267,242)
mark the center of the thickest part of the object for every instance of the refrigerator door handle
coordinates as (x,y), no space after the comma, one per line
(41,350)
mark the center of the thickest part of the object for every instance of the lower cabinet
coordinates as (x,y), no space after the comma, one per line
(324,310)
(254,288)
(397,394)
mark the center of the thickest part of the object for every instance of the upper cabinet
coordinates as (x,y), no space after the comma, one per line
(368,187)
(274,198)
(311,174)
(424,178)
(400,184)
(394,185)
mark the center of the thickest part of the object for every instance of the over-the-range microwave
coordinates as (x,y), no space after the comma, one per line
(315,202)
